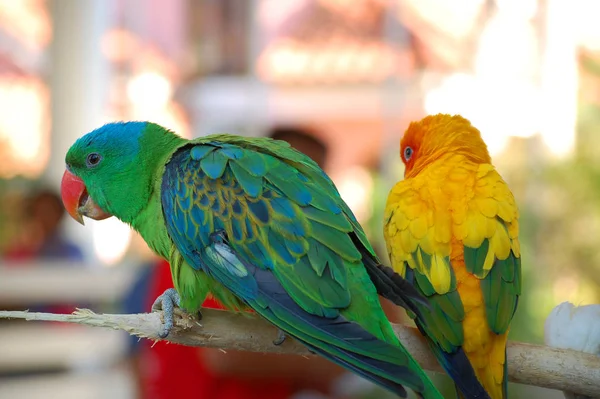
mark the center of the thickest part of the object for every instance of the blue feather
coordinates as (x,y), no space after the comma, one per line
(218,224)
(325,203)
(295,246)
(237,229)
(249,230)
(122,135)
(204,200)
(260,210)
(283,207)
(256,250)
(181,189)
(232,152)
(197,215)
(185,202)
(285,179)
(191,229)
(275,241)
(252,185)
(290,229)
(214,164)
(216,206)
(205,230)
(200,151)
(179,224)
(236,207)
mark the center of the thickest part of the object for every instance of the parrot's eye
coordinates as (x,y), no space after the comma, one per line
(408,153)
(93,159)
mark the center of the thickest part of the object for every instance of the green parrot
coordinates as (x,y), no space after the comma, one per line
(258,225)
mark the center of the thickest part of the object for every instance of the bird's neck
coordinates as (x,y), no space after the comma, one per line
(149,222)
(437,159)
(150,225)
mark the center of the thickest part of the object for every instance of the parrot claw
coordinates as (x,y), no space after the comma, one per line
(280,338)
(166,302)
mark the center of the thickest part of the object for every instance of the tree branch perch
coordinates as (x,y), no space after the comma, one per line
(542,366)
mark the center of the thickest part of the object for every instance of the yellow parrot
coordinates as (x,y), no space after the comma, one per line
(451,229)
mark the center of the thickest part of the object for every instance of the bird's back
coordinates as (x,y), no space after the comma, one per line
(453,231)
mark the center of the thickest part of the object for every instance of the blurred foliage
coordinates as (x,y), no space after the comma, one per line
(559,232)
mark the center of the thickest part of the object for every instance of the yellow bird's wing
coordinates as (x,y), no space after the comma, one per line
(418,235)
(492,253)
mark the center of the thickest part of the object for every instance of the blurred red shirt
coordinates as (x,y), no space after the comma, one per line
(176,371)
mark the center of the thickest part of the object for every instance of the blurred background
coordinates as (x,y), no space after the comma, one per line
(340,80)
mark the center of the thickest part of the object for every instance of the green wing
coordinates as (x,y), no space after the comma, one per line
(268,224)
(280,210)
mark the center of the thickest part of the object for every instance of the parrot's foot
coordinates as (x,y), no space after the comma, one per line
(167,303)
(280,338)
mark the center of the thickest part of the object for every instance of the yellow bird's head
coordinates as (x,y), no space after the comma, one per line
(439,135)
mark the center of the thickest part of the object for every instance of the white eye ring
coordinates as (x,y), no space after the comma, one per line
(408,152)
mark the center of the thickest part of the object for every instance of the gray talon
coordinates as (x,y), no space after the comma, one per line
(166,302)
(280,338)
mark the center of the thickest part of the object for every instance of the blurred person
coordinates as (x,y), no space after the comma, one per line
(48,210)
(304,140)
(165,370)
(42,236)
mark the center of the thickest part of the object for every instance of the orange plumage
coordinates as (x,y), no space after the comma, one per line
(451,228)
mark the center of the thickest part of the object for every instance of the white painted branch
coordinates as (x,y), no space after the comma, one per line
(542,366)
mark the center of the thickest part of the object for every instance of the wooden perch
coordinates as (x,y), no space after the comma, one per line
(542,366)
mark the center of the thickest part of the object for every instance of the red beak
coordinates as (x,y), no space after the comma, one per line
(77,201)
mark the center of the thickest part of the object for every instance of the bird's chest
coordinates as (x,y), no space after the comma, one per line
(150,224)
